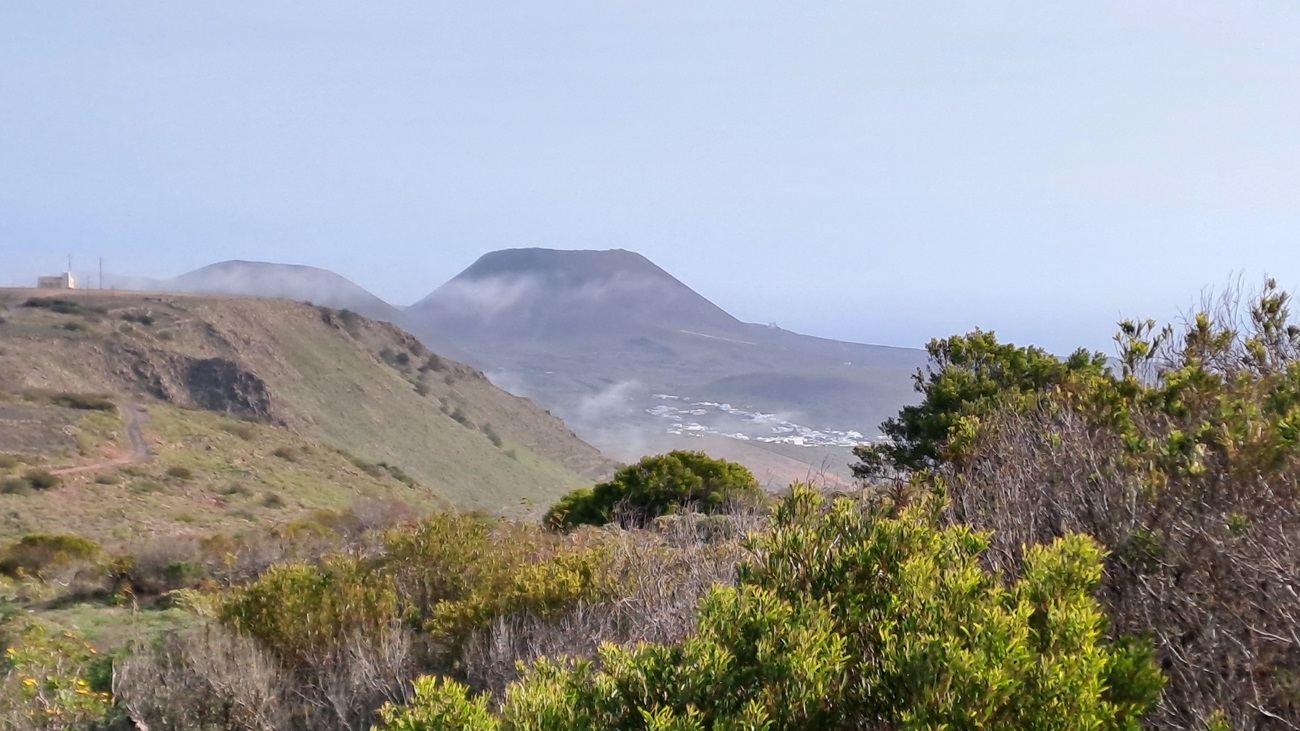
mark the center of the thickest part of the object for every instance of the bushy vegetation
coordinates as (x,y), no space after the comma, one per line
(39,479)
(88,402)
(52,680)
(35,553)
(63,306)
(656,486)
(846,617)
(1184,464)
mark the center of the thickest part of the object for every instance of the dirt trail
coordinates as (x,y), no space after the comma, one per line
(132,416)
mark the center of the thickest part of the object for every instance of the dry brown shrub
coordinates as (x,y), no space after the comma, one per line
(664,572)
(203,679)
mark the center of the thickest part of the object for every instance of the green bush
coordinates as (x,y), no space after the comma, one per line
(241,429)
(180,473)
(351,322)
(53,680)
(299,611)
(34,553)
(460,417)
(89,402)
(62,306)
(40,479)
(447,577)
(849,617)
(15,486)
(656,486)
(968,375)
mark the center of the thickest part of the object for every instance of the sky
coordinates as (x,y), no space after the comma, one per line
(881,172)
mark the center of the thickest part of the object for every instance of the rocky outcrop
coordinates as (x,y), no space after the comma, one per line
(218,384)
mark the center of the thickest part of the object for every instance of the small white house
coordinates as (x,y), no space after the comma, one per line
(59,281)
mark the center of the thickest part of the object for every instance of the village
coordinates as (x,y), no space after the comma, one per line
(710,418)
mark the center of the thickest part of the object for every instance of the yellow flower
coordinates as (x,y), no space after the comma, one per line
(29,682)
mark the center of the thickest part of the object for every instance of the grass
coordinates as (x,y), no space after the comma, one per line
(203,479)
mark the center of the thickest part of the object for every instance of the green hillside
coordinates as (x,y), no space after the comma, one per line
(321,381)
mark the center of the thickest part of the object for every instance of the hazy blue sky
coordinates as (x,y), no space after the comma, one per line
(881,172)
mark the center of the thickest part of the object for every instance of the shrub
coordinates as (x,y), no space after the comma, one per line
(108,478)
(369,468)
(288,454)
(180,473)
(439,704)
(422,389)
(61,306)
(54,680)
(40,479)
(398,359)
(656,486)
(967,375)
(241,429)
(433,363)
(299,610)
(351,322)
(397,473)
(491,435)
(88,402)
(200,679)
(272,500)
(147,486)
(15,486)
(849,617)
(1186,466)
(35,553)
(458,415)
(161,564)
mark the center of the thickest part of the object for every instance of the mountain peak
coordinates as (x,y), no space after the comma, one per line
(573,264)
(287,281)
(567,292)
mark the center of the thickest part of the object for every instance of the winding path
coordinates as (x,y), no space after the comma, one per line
(132,416)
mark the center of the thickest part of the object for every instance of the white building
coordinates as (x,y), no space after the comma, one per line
(58,281)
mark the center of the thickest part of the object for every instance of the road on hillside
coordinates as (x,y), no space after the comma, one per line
(132,416)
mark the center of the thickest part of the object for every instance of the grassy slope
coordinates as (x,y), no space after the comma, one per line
(209,473)
(326,381)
